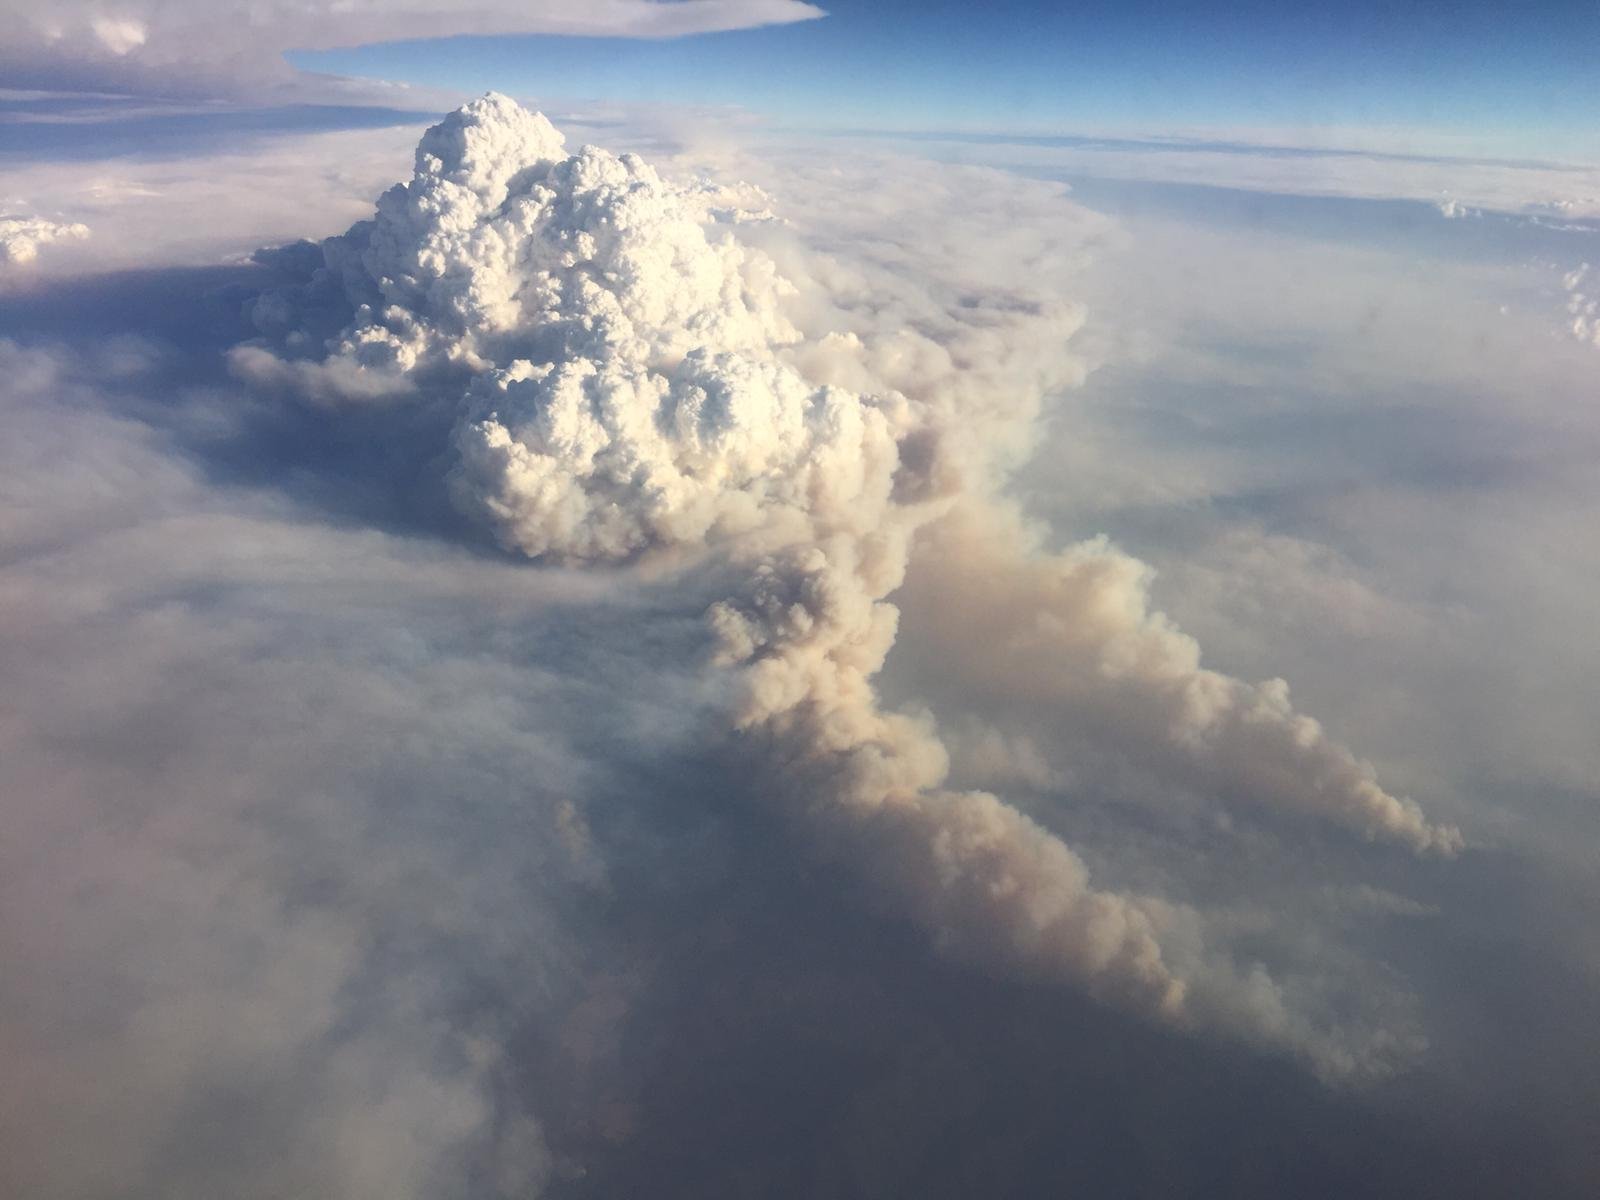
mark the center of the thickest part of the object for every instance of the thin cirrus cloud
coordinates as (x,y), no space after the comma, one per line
(194,48)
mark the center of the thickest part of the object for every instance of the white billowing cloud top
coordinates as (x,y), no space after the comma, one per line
(627,373)
(1583,308)
(21,237)
(196,47)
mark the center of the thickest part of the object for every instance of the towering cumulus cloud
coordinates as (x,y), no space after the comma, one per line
(21,237)
(629,379)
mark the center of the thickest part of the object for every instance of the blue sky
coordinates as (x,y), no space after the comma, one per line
(1523,77)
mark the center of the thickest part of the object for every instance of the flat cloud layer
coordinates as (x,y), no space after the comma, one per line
(198,48)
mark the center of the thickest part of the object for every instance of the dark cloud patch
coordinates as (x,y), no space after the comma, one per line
(198,310)
(790,1045)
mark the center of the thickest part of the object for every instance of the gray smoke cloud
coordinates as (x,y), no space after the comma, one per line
(653,377)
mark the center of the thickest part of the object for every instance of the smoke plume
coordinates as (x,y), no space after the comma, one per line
(639,374)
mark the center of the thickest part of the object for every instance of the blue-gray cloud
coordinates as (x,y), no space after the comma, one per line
(199,48)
